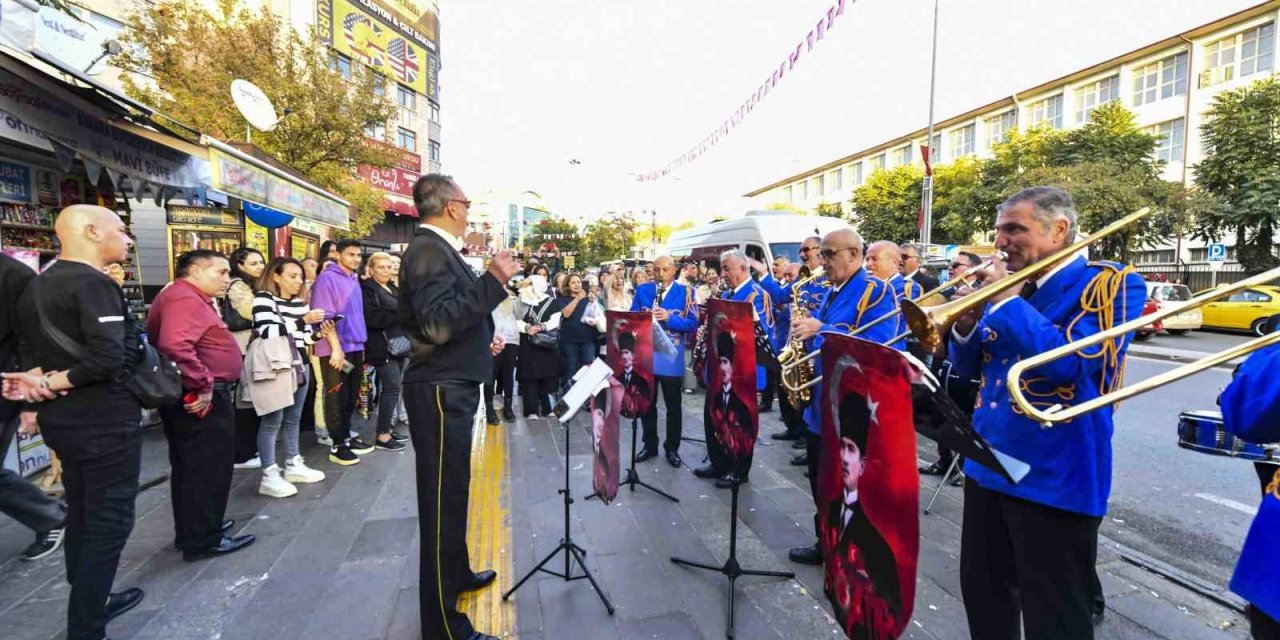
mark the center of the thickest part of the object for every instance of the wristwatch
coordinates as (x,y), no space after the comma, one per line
(44,381)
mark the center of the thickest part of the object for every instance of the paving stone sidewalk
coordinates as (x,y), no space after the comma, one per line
(339,561)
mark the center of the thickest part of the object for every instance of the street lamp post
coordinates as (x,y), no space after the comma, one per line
(926,220)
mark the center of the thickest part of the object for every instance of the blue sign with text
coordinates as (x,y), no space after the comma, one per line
(15,182)
(1217,252)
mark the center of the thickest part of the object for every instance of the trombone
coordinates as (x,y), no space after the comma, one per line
(1057,413)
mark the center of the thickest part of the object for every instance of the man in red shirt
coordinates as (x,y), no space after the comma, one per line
(184,325)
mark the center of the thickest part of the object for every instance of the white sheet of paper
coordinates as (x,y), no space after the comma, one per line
(587,382)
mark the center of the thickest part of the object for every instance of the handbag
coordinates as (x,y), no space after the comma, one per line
(232,318)
(397,346)
(542,339)
(154,380)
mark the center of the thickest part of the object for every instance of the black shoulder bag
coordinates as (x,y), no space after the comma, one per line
(234,321)
(155,379)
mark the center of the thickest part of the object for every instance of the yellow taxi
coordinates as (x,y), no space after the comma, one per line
(1247,310)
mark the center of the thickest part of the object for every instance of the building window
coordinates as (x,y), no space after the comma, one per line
(819,187)
(377,132)
(855,175)
(1169,138)
(433,148)
(1202,254)
(1240,55)
(963,141)
(878,163)
(836,178)
(1096,94)
(902,157)
(804,190)
(406,98)
(1047,112)
(379,85)
(999,127)
(786,195)
(406,139)
(435,111)
(341,64)
(1157,256)
(1160,80)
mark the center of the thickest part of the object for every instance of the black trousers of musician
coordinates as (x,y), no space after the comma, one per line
(669,388)
(440,420)
(504,379)
(1026,566)
(1262,626)
(792,418)
(100,474)
(341,390)
(201,454)
(718,457)
(771,380)
(246,434)
(813,453)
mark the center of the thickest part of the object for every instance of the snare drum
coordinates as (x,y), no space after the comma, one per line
(1203,431)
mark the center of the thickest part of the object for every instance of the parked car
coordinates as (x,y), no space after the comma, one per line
(1166,294)
(1247,310)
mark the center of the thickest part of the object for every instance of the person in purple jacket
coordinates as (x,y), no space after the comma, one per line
(337,292)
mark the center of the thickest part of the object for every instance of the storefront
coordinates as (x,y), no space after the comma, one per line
(191,228)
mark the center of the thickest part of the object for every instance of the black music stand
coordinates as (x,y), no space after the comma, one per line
(731,569)
(571,549)
(633,478)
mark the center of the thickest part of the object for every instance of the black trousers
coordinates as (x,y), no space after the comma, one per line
(1262,626)
(341,390)
(716,454)
(791,417)
(246,434)
(672,396)
(440,420)
(536,395)
(309,409)
(100,474)
(201,452)
(771,379)
(19,498)
(812,451)
(1026,566)
(504,373)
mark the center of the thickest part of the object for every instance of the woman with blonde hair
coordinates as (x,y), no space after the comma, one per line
(386,348)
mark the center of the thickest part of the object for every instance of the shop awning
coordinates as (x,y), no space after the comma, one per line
(248,178)
(399,208)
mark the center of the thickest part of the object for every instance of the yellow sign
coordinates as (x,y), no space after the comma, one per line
(403,55)
(570,261)
(256,236)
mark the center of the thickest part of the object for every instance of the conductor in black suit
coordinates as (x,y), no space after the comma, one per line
(445,312)
(911,268)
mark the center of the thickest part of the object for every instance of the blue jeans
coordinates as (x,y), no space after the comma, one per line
(575,355)
(285,420)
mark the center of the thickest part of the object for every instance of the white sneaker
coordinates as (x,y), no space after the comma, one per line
(295,470)
(252,463)
(322,437)
(273,485)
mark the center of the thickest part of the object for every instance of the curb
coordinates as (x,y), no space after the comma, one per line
(1173,355)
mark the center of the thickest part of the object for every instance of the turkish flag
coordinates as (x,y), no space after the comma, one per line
(868,486)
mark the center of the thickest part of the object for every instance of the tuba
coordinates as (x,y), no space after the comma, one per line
(795,378)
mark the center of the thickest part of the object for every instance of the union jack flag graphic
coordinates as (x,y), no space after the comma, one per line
(404,60)
(369,47)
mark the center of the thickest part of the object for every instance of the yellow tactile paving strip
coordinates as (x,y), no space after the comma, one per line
(489,533)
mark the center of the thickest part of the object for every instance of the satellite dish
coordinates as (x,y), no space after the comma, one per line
(254,105)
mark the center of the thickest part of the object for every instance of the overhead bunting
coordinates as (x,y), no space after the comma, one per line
(817,33)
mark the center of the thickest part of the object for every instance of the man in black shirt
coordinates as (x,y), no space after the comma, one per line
(87,415)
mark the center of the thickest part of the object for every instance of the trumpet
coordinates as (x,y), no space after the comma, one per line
(1057,413)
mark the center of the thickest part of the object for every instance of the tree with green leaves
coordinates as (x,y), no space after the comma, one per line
(559,232)
(1240,173)
(186,56)
(887,206)
(962,211)
(608,238)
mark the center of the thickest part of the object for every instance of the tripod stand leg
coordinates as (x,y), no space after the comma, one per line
(945,478)
(732,588)
(577,554)
(533,571)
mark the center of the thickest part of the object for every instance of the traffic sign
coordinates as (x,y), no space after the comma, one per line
(1217,252)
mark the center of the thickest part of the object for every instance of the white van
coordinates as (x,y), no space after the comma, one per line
(763,235)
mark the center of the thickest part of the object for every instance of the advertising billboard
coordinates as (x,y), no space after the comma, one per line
(368,32)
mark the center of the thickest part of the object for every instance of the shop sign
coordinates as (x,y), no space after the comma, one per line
(392,179)
(92,138)
(70,40)
(204,216)
(306,226)
(352,28)
(405,159)
(248,182)
(256,236)
(15,182)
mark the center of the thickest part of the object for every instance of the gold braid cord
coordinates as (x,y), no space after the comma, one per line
(1099,298)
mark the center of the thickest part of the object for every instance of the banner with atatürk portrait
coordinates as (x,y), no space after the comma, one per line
(868,487)
(630,355)
(606,408)
(731,408)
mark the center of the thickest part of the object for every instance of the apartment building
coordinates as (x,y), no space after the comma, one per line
(1169,85)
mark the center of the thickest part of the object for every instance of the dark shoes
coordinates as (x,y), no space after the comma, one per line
(786,435)
(799,444)
(958,481)
(673,459)
(476,635)
(801,460)
(479,580)
(935,469)
(390,445)
(399,437)
(508,415)
(708,471)
(806,555)
(492,418)
(359,447)
(645,454)
(119,603)
(46,544)
(226,526)
(730,480)
(766,408)
(228,545)
(342,455)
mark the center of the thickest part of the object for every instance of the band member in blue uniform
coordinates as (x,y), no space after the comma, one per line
(1251,411)
(738,286)
(673,308)
(810,298)
(853,300)
(1027,550)
(884,261)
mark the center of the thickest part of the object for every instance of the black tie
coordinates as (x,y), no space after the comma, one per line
(1029,289)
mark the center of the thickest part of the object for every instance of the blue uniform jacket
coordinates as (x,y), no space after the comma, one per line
(759,298)
(903,288)
(1251,410)
(1070,462)
(861,300)
(678,299)
(810,294)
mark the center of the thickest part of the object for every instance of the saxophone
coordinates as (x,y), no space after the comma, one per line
(796,376)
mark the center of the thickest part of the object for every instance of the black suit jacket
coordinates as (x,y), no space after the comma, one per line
(881,565)
(927,283)
(445,312)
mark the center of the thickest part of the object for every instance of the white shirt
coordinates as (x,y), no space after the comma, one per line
(454,241)
(846,513)
(1040,282)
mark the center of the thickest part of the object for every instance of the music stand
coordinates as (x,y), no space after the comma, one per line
(633,478)
(587,382)
(731,569)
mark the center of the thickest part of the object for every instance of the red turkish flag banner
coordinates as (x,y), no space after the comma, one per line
(605,410)
(868,487)
(732,406)
(630,355)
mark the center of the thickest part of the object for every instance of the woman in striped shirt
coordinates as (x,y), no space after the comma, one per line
(280,310)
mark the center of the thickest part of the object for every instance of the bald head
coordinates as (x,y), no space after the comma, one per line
(842,250)
(92,234)
(883,259)
(664,269)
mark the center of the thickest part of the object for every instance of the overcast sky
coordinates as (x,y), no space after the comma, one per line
(628,85)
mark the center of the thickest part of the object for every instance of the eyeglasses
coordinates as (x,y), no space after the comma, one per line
(806,249)
(464,203)
(957,265)
(828,254)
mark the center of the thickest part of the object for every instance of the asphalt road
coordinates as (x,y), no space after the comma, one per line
(1188,509)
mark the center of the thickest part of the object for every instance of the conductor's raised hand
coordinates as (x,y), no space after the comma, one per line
(504,266)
